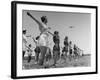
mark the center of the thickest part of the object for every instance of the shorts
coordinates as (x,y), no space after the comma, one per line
(37,50)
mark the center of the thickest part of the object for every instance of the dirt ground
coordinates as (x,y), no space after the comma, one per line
(73,62)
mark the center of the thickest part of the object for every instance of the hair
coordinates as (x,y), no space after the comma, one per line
(24,31)
(44,19)
(37,37)
(30,45)
(74,46)
(70,42)
(56,32)
(66,38)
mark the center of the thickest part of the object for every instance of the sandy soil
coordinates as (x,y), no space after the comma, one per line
(73,62)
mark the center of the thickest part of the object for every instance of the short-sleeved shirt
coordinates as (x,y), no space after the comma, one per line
(65,42)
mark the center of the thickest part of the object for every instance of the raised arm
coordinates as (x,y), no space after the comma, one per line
(38,22)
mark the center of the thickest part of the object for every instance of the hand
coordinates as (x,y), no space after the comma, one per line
(28,13)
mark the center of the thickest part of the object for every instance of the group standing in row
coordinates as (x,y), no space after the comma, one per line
(42,50)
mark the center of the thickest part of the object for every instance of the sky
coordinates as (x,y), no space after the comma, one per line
(79,34)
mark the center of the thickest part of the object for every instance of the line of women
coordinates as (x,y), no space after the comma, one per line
(42,50)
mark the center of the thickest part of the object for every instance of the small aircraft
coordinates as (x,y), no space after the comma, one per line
(71,26)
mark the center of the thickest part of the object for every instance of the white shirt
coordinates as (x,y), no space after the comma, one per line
(43,40)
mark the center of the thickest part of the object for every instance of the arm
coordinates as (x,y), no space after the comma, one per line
(29,48)
(50,33)
(38,22)
(28,36)
(34,40)
(24,41)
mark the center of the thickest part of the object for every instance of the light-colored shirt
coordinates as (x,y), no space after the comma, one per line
(43,40)
(37,42)
(24,41)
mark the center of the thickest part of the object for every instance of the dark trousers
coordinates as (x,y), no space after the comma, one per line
(29,58)
(37,51)
(55,56)
(43,50)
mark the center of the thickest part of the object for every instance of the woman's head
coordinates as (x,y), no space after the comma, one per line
(30,45)
(24,31)
(70,42)
(66,38)
(56,32)
(44,19)
(37,37)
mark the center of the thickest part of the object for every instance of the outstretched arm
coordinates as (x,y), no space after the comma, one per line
(38,22)
(50,33)
(28,36)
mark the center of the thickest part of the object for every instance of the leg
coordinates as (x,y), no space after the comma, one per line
(29,58)
(37,52)
(55,57)
(23,54)
(43,52)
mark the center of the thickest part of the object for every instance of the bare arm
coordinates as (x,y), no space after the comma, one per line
(50,33)
(28,36)
(29,48)
(34,40)
(38,22)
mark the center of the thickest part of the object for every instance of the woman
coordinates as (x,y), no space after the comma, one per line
(24,40)
(43,38)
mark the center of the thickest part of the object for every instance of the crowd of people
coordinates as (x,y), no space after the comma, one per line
(42,50)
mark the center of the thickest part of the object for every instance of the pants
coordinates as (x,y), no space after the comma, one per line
(37,51)
(70,51)
(43,50)
(29,58)
(56,51)
(55,56)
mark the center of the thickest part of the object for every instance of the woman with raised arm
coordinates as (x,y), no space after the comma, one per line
(42,25)
(43,38)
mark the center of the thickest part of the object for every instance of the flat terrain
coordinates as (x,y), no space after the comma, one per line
(73,62)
